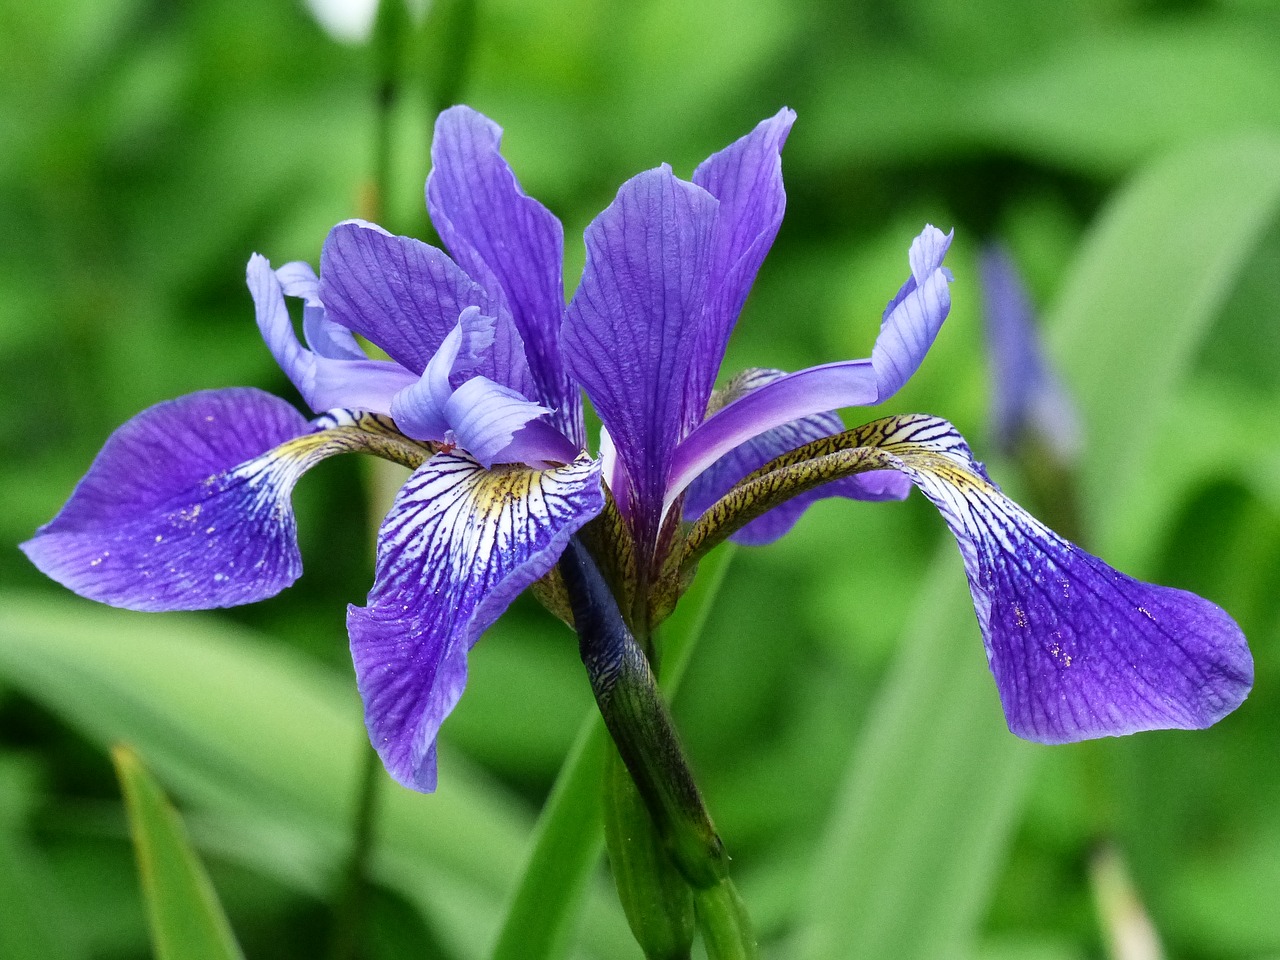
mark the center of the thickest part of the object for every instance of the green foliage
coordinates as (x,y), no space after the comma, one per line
(187,921)
(837,708)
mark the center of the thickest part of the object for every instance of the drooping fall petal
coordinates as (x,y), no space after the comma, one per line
(459,544)
(187,506)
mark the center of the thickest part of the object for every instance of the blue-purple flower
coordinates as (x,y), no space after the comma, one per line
(1027,398)
(187,505)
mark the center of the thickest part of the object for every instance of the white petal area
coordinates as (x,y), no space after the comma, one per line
(459,544)
(347,21)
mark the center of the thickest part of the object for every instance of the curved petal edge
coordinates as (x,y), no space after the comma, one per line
(1078,649)
(718,479)
(459,544)
(186,507)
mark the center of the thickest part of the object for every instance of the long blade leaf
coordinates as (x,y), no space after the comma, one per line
(187,920)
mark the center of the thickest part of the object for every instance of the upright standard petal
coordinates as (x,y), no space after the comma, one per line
(1078,650)
(913,317)
(911,321)
(509,242)
(459,544)
(406,296)
(746,458)
(186,507)
(746,178)
(632,328)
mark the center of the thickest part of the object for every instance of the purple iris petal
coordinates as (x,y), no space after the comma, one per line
(746,178)
(911,321)
(406,296)
(480,416)
(1026,396)
(356,384)
(1078,650)
(631,331)
(459,544)
(325,382)
(299,280)
(484,417)
(912,318)
(323,336)
(420,410)
(851,383)
(538,444)
(276,326)
(508,242)
(397,292)
(724,474)
(186,507)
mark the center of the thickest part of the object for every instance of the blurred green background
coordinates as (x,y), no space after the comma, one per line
(838,709)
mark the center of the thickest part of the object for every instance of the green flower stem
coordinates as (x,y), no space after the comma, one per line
(567,842)
(726,928)
(655,896)
(389,31)
(450,30)
(636,716)
(353,898)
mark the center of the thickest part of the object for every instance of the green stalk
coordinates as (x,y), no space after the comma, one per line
(726,928)
(352,899)
(567,841)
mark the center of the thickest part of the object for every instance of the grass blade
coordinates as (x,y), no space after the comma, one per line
(187,920)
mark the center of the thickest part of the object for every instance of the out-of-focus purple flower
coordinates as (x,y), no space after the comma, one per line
(187,506)
(1027,398)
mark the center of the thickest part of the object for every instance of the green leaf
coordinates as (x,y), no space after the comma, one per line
(187,921)
(30,927)
(1107,102)
(930,800)
(250,731)
(935,784)
(568,839)
(1153,274)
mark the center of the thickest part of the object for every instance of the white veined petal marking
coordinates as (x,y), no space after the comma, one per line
(465,517)
(1078,649)
(460,543)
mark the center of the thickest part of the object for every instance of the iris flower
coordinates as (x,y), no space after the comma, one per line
(187,505)
(1028,400)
